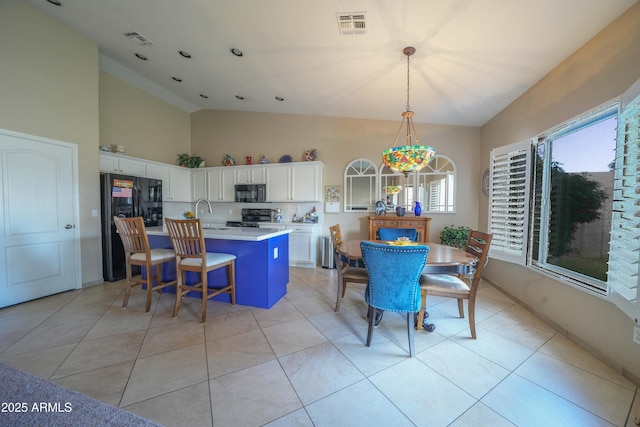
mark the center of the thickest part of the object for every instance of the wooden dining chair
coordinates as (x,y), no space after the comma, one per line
(134,238)
(346,273)
(394,282)
(444,285)
(394,233)
(191,255)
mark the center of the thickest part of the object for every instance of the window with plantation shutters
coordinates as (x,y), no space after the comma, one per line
(509,201)
(624,260)
(568,202)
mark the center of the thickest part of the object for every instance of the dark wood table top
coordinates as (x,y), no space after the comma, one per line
(442,259)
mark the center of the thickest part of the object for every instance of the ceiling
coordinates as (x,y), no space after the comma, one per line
(473,58)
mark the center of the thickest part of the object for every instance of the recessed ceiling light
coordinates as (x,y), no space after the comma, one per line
(178,79)
(236,52)
(184,54)
(55,2)
(279,98)
(240,97)
(141,56)
(202,95)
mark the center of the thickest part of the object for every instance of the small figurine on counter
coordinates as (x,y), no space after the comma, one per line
(228,160)
(311,216)
(263,159)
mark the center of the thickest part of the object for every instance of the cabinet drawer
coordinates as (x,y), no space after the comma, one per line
(385,223)
(409,224)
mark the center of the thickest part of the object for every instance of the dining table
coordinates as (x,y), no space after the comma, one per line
(442,259)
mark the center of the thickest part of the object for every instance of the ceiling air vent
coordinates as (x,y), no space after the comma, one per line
(352,23)
(138,38)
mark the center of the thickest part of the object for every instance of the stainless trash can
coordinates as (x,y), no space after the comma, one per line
(327,252)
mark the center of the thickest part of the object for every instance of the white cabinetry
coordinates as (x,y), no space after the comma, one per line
(114,163)
(297,182)
(220,184)
(251,175)
(303,242)
(278,183)
(306,182)
(199,179)
(179,184)
(176,181)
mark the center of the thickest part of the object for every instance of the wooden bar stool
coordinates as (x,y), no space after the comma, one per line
(137,252)
(191,255)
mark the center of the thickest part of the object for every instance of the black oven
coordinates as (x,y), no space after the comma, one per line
(251,193)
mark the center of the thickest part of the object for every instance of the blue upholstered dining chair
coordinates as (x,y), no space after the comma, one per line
(394,233)
(394,281)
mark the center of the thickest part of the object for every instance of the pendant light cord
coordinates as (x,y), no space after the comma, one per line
(408,106)
(408,115)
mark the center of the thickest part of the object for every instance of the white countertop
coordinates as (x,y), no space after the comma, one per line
(265,225)
(251,234)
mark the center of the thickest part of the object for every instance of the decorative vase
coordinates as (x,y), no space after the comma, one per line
(400,211)
(418,209)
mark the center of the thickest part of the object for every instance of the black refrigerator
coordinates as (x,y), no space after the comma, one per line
(125,196)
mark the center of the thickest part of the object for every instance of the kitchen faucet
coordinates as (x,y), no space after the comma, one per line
(198,203)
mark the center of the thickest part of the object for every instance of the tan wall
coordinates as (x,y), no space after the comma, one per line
(147,126)
(601,70)
(338,141)
(49,88)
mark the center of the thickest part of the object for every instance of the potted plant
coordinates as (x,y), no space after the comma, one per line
(455,236)
(189,160)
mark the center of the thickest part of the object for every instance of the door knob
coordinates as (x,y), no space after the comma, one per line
(68,226)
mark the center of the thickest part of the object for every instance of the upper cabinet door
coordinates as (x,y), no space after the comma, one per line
(251,174)
(220,184)
(279,184)
(306,183)
(294,182)
(179,184)
(120,164)
(176,181)
(199,184)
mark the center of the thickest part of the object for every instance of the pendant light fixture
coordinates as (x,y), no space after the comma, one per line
(409,157)
(392,189)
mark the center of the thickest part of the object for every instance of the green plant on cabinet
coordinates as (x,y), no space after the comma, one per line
(189,160)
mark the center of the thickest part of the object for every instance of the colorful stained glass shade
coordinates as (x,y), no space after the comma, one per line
(392,189)
(407,158)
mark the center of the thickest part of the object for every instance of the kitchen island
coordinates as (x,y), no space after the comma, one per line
(262,262)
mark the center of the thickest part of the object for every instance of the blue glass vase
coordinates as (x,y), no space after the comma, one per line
(418,209)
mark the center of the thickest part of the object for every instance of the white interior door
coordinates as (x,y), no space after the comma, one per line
(39,250)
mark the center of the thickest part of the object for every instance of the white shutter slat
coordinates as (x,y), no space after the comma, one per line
(624,253)
(509,202)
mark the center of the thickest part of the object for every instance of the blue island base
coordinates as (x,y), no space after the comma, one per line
(262,269)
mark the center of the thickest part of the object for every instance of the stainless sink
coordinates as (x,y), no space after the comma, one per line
(216,228)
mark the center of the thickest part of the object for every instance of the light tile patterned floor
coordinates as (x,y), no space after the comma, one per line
(302,364)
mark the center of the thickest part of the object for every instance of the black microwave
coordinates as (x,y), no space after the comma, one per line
(251,193)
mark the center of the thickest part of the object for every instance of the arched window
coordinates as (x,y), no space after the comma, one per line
(433,186)
(360,186)
(437,185)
